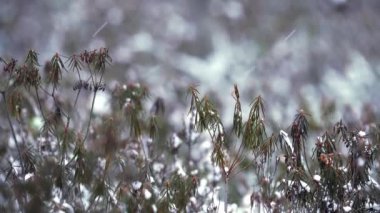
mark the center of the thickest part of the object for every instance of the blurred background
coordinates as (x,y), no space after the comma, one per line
(319,55)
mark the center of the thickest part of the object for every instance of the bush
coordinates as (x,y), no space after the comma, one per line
(58,155)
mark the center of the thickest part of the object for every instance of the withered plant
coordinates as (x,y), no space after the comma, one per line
(58,155)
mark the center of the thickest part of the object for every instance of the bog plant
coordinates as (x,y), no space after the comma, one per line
(57,155)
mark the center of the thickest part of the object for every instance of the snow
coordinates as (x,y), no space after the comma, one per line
(147,194)
(233,207)
(142,42)
(28,176)
(279,194)
(154,208)
(285,137)
(305,186)
(86,195)
(362,134)
(233,9)
(317,178)
(157,167)
(176,141)
(37,122)
(282,158)
(115,15)
(226,169)
(273,204)
(361,162)
(220,128)
(203,187)
(57,195)
(193,200)
(136,185)
(363,138)
(180,169)
(374,182)
(348,186)
(102,162)
(194,172)
(102,103)
(151,179)
(67,207)
(343,169)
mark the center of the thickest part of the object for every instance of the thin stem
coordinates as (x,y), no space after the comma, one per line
(189,154)
(189,143)
(91,75)
(44,90)
(91,111)
(226,195)
(101,76)
(64,141)
(93,201)
(274,175)
(52,94)
(237,157)
(39,103)
(79,75)
(146,156)
(235,171)
(307,165)
(76,98)
(13,132)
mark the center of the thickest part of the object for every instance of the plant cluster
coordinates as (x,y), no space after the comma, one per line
(59,156)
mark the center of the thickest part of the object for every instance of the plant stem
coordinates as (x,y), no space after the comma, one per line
(189,142)
(91,111)
(226,195)
(13,131)
(39,103)
(307,165)
(76,99)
